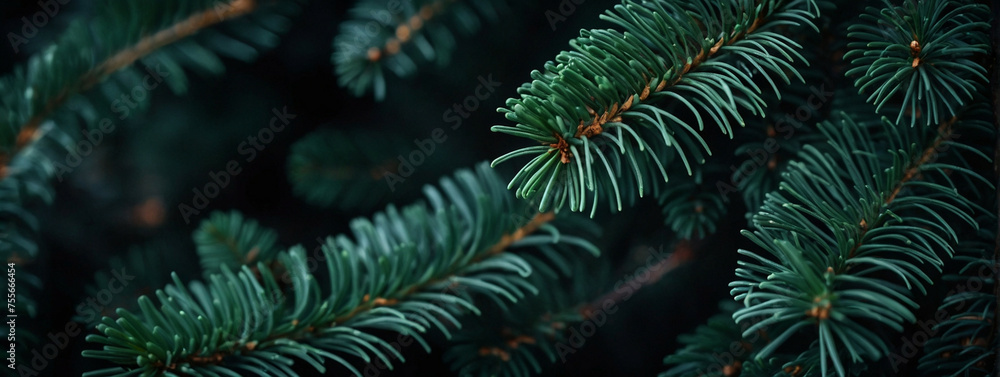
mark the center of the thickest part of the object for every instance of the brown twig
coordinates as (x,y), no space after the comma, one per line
(404,32)
(595,126)
(683,252)
(367,302)
(29,131)
(912,172)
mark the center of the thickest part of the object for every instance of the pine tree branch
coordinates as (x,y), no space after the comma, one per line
(505,241)
(516,341)
(912,171)
(29,131)
(508,239)
(383,35)
(512,340)
(593,127)
(404,32)
(614,89)
(367,304)
(944,134)
(229,243)
(921,53)
(227,239)
(406,271)
(811,235)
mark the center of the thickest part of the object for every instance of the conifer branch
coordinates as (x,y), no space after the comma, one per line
(385,34)
(29,131)
(72,84)
(692,205)
(962,341)
(366,305)
(225,239)
(610,94)
(516,342)
(912,171)
(931,152)
(720,335)
(922,54)
(842,263)
(405,271)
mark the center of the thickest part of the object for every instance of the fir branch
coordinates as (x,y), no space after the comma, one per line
(716,349)
(142,46)
(225,239)
(850,241)
(367,304)
(615,85)
(44,103)
(404,271)
(692,207)
(772,141)
(385,33)
(962,343)
(922,54)
(515,342)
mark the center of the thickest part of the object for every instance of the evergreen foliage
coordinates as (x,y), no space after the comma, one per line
(227,240)
(962,340)
(692,207)
(719,336)
(397,273)
(921,52)
(841,155)
(613,85)
(396,36)
(88,78)
(855,238)
(522,341)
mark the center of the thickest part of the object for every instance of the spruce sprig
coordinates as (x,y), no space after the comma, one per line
(853,238)
(922,55)
(611,92)
(405,270)
(393,36)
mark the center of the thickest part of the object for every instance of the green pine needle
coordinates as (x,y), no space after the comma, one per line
(227,240)
(853,237)
(921,55)
(599,110)
(397,36)
(407,271)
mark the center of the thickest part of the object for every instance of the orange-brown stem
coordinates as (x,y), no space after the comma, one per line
(29,130)
(595,126)
(912,172)
(683,252)
(368,303)
(511,343)
(404,31)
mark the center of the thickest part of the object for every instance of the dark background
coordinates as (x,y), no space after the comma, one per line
(128,192)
